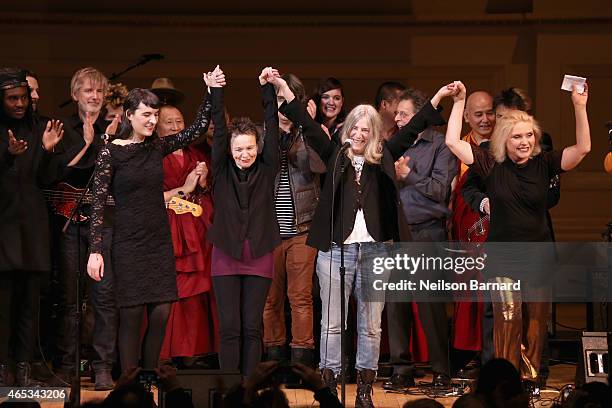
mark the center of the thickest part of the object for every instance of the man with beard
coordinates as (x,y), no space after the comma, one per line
(85,135)
(24,226)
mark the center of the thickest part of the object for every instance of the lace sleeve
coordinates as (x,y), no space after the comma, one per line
(101,183)
(185,137)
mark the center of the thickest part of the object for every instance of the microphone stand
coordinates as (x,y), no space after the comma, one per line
(342,270)
(342,289)
(143,60)
(75,387)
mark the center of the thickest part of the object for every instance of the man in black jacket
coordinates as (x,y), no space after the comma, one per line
(25,144)
(76,162)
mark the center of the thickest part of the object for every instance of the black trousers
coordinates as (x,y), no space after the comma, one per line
(19,298)
(240,304)
(102,299)
(432,315)
(488,351)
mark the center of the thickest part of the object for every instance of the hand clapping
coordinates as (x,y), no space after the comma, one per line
(54,132)
(15,146)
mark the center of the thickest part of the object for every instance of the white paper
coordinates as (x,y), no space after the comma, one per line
(570,80)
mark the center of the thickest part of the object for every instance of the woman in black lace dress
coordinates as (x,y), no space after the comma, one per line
(130,169)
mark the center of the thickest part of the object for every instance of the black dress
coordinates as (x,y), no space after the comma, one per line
(142,251)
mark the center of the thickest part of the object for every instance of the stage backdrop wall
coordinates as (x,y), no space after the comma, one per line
(487,44)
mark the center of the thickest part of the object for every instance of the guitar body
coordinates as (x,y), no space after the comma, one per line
(63,200)
(479,231)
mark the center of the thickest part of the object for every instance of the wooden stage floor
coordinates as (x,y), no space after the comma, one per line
(560,375)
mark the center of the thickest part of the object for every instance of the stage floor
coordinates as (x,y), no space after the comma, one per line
(560,375)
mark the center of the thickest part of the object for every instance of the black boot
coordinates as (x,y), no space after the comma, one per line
(399,382)
(365,381)
(330,379)
(303,356)
(104,380)
(5,373)
(276,353)
(23,376)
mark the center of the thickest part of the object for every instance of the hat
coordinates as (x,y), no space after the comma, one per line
(12,78)
(166,92)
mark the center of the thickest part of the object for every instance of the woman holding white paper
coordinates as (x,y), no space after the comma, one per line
(516,174)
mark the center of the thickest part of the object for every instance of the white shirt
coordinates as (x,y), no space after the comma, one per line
(360,230)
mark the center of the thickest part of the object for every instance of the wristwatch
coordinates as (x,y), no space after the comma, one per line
(181,194)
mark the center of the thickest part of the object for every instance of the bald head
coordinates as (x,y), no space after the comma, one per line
(479,114)
(170,121)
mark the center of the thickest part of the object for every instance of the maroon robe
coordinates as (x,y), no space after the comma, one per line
(192,324)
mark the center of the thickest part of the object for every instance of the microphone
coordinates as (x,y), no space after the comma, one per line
(608,158)
(346,145)
(149,57)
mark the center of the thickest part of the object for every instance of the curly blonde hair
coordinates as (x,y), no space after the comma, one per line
(503,131)
(373,149)
(115,95)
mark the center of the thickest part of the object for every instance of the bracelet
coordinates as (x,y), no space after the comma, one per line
(482,204)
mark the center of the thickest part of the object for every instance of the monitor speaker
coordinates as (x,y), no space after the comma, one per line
(207,387)
(594,358)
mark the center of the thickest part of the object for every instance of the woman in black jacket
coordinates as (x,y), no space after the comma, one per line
(370,216)
(244,231)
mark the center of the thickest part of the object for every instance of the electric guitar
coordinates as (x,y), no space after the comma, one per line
(479,230)
(64,198)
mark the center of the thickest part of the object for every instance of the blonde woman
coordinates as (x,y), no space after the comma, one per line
(516,174)
(370,216)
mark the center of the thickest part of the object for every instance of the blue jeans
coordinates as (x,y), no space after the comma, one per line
(368,313)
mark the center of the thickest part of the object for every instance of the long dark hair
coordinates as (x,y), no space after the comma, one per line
(296,86)
(325,85)
(135,97)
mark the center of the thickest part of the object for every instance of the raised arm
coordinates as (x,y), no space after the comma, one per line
(103,174)
(221,137)
(428,116)
(460,148)
(573,155)
(297,113)
(198,127)
(269,153)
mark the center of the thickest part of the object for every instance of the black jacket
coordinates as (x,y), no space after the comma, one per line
(24,222)
(244,209)
(376,194)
